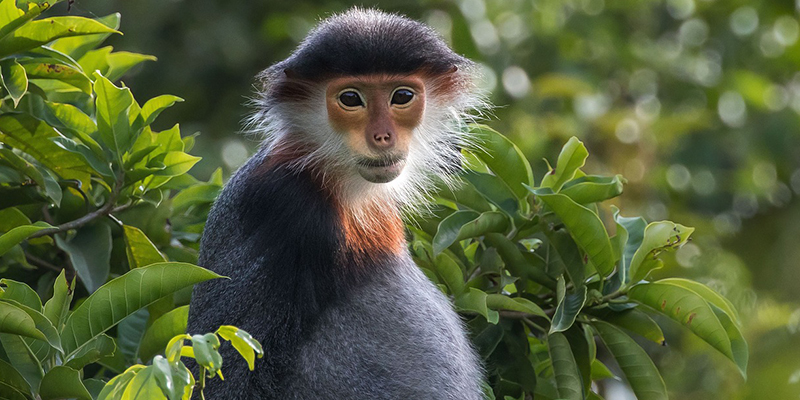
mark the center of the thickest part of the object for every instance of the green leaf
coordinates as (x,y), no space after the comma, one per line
(34,137)
(40,32)
(11,378)
(572,157)
(21,357)
(585,227)
(139,154)
(144,386)
(569,305)
(633,234)
(18,234)
(465,195)
(593,189)
(121,62)
(658,237)
(175,162)
(635,321)
(162,330)
(90,253)
(243,343)
(568,378)
(100,165)
(77,46)
(448,231)
(503,302)
(124,295)
(475,300)
(21,293)
(504,158)
(130,332)
(153,107)
(57,307)
(11,17)
(204,193)
(600,371)
(583,353)
(72,121)
(495,191)
(516,263)
(113,105)
(173,379)
(141,251)
(60,72)
(116,387)
(687,308)
(14,320)
(708,294)
(462,225)
(44,179)
(97,348)
(63,382)
(14,79)
(48,54)
(637,366)
(450,273)
(206,351)
(570,255)
(44,326)
(738,344)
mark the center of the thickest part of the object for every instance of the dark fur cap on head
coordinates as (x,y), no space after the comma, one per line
(358,42)
(370,41)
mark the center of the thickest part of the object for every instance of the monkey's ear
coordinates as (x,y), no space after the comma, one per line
(291,74)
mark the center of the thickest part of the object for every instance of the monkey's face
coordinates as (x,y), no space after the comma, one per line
(376,116)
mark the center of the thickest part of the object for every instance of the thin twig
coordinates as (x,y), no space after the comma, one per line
(100,212)
(38,262)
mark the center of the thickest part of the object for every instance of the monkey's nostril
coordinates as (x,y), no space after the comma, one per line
(383,138)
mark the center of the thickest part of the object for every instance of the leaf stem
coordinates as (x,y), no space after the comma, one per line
(534,325)
(202,384)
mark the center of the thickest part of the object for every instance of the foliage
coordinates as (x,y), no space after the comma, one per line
(542,277)
(169,378)
(90,193)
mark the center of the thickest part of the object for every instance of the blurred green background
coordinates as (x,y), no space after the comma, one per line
(695,102)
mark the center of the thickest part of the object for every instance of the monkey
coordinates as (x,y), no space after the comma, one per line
(357,125)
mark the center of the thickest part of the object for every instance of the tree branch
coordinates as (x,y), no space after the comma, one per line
(39,263)
(100,212)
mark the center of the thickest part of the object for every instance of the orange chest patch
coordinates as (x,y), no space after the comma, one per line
(378,233)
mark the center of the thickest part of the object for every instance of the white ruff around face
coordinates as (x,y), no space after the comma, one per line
(434,148)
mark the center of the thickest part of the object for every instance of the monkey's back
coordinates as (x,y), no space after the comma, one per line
(330,331)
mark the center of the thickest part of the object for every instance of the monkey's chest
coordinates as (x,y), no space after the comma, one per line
(396,338)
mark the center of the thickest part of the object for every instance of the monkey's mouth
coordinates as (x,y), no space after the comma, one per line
(380,170)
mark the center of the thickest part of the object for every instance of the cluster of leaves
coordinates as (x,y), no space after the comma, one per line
(543,277)
(96,210)
(168,377)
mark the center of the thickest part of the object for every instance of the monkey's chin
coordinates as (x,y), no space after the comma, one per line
(381,174)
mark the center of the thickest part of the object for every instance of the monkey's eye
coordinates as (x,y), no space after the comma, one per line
(350,99)
(402,96)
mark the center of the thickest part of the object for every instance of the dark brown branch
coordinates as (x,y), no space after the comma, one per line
(39,263)
(100,212)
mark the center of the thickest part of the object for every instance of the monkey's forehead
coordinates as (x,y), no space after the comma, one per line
(359,42)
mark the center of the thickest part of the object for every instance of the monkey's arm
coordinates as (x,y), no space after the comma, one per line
(271,235)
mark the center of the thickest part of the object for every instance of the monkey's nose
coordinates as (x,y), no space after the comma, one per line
(383,140)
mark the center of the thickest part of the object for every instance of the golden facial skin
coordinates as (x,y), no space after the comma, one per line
(376,115)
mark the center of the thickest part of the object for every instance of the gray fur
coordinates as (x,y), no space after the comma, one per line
(398,338)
